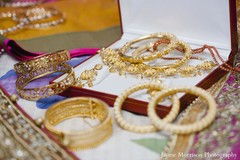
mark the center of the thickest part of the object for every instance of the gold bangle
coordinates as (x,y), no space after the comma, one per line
(158,54)
(80,107)
(41,61)
(186,48)
(56,19)
(188,128)
(147,128)
(45,91)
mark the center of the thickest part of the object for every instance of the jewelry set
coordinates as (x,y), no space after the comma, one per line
(35,17)
(118,60)
(140,64)
(88,107)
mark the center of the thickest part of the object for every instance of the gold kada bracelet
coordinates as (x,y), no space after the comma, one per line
(34,64)
(186,128)
(48,90)
(80,107)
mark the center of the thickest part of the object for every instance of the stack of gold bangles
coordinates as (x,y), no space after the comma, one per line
(140,64)
(42,66)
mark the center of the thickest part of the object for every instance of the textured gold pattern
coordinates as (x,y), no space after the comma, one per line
(42,61)
(80,107)
(48,90)
(21,139)
(88,76)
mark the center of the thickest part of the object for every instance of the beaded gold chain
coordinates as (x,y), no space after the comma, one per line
(36,17)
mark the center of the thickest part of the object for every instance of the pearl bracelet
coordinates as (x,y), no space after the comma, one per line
(177,128)
(148,128)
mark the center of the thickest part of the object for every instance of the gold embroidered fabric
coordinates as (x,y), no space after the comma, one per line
(182,143)
(21,139)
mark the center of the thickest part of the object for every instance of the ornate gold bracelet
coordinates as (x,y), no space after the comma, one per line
(147,128)
(157,54)
(34,64)
(184,46)
(188,128)
(46,91)
(80,107)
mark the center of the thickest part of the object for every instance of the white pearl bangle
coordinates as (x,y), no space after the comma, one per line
(186,128)
(140,128)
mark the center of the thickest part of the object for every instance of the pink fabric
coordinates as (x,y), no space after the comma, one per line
(21,54)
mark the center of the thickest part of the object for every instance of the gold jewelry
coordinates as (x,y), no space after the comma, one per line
(111,59)
(170,70)
(88,76)
(22,3)
(80,107)
(188,128)
(56,18)
(33,14)
(45,91)
(158,54)
(34,64)
(185,47)
(37,17)
(147,128)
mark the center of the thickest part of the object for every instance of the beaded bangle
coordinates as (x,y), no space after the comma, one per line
(185,47)
(56,18)
(147,128)
(41,61)
(188,128)
(37,17)
(45,91)
(23,3)
(80,107)
(172,44)
(35,14)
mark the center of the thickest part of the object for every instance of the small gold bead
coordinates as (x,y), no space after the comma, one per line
(98,66)
(14,98)
(39,122)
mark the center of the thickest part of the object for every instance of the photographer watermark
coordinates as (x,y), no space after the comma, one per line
(201,155)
